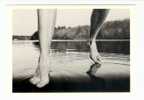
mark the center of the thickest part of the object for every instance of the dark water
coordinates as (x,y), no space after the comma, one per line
(122,47)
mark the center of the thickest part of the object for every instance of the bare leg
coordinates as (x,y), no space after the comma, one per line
(46,23)
(97,19)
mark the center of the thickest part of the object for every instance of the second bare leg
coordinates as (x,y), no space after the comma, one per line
(97,19)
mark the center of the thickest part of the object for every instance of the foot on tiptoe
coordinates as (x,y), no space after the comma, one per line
(43,82)
(34,80)
(36,77)
(93,69)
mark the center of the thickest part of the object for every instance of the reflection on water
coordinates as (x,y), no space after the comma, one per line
(122,47)
(120,50)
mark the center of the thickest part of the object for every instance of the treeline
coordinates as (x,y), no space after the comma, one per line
(110,30)
(115,30)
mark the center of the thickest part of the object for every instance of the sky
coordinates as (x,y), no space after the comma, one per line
(24,21)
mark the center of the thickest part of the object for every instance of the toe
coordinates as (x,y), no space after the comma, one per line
(34,80)
(42,84)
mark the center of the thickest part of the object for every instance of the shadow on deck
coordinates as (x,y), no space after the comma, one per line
(76,84)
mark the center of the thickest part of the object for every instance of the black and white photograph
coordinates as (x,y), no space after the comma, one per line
(67,50)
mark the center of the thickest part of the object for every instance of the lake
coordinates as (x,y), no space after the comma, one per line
(26,53)
(67,66)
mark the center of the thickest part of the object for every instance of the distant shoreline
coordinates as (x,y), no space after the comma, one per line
(60,40)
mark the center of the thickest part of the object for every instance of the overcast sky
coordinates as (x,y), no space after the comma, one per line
(25,21)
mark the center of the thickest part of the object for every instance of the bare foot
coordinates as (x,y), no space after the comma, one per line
(43,72)
(38,80)
(41,76)
(96,58)
(43,82)
(36,77)
(94,54)
(93,69)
